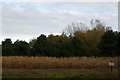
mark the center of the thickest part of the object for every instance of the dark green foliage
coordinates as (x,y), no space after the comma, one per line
(107,44)
(7,47)
(39,46)
(118,44)
(52,49)
(63,46)
(66,49)
(78,48)
(21,48)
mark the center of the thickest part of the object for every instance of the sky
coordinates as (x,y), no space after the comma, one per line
(27,20)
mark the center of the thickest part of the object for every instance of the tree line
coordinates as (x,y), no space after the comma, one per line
(74,41)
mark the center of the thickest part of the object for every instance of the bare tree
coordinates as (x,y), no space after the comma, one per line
(95,23)
(71,29)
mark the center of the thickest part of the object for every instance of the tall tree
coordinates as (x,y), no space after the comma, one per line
(21,48)
(39,46)
(107,44)
(7,47)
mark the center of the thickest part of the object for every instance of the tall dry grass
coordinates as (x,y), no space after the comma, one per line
(19,62)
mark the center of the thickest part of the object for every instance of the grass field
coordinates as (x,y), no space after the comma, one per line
(51,67)
(59,73)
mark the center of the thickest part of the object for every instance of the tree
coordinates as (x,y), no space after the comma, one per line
(89,37)
(7,47)
(78,48)
(21,48)
(72,28)
(66,49)
(52,49)
(39,46)
(107,44)
(118,44)
(81,35)
(32,42)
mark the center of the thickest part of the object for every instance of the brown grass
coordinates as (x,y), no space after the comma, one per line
(19,62)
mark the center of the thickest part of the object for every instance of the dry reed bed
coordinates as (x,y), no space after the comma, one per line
(19,62)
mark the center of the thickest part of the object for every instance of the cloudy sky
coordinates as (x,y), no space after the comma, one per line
(27,20)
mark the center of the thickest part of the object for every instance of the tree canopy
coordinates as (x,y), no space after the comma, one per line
(74,41)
